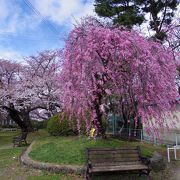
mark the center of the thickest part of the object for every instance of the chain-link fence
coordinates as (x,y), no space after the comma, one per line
(165,137)
(116,127)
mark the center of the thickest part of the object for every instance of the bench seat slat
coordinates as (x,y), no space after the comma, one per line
(113,155)
(117,163)
(118,168)
(132,151)
(114,160)
(105,156)
(102,160)
(113,149)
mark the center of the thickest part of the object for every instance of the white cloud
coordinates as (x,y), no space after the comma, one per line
(13,18)
(64,12)
(7,24)
(11,55)
(3,9)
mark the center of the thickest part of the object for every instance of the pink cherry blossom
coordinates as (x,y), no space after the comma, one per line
(106,65)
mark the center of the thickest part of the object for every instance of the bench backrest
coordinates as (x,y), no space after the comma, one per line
(113,155)
(24,135)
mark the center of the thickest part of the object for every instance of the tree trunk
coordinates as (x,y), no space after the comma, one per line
(15,116)
(26,119)
(21,118)
(101,130)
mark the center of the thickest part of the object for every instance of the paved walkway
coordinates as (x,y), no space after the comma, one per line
(177,174)
(176,171)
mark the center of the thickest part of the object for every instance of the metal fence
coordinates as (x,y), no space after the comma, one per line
(165,137)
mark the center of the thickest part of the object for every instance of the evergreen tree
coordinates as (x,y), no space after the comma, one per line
(122,12)
(161,13)
(131,12)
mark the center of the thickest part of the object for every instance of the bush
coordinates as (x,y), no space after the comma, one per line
(39,124)
(104,124)
(9,126)
(83,126)
(57,126)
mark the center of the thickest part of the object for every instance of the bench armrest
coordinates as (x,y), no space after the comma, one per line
(89,164)
(145,160)
(16,138)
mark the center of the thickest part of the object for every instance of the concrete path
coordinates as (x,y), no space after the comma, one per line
(177,174)
(176,171)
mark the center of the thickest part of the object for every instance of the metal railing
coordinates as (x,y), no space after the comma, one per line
(165,137)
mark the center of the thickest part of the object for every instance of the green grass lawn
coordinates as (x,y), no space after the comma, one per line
(6,138)
(10,167)
(71,150)
(62,150)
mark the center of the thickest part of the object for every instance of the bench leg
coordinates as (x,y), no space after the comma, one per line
(87,177)
(87,174)
(15,144)
(140,173)
(20,144)
(25,142)
(146,172)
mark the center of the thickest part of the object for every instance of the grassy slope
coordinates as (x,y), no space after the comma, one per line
(71,150)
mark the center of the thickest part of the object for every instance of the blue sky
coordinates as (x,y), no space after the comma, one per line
(31,26)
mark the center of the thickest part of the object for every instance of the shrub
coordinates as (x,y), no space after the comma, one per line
(83,126)
(9,126)
(59,126)
(104,124)
(39,124)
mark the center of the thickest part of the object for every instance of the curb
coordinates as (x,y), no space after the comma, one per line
(56,168)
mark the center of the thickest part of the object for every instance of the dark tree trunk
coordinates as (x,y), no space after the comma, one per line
(26,119)
(22,118)
(14,114)
(101,129)
(99,120)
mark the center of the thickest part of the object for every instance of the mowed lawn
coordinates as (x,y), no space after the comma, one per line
(72,150)
(10,167)
(61,150)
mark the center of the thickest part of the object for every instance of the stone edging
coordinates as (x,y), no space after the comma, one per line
(56,168)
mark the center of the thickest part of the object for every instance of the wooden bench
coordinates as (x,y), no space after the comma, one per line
(119,160)
(17,141)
